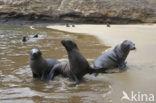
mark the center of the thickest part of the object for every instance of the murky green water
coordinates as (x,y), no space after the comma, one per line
(16,82)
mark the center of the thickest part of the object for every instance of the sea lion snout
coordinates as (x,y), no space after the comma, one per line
(34,53)
(69,44)
(133,48)
(63,42)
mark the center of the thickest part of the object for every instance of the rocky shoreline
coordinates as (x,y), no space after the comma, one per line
(80,11)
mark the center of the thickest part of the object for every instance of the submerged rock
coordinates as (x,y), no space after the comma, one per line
(89,11)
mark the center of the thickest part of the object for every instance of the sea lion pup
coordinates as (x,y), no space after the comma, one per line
(40,67)
(78,66)
(114,58)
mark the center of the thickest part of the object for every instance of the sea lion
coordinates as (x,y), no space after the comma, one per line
(67,25)
(40,67)
(73,25)
(108,25)
(114,58)
(24,39)
(35,36)
(77,67)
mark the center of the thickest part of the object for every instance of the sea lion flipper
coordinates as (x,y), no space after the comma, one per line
(76,81)
(52,72)
(122,66)
(34,75)
(93,71)
(122,69)
(44,77)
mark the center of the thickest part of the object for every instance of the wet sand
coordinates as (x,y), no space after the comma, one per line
(140,76)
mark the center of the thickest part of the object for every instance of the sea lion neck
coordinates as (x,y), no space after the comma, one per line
(124,52)
(73,50)
(36,59)
(119,51)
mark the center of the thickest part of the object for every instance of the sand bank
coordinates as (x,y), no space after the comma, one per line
(144,36)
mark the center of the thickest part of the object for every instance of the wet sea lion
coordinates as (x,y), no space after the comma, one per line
(24,39)
(40,67)
(114,58)
(77,67)
(35,36)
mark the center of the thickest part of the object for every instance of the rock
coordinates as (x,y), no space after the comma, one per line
(89,11)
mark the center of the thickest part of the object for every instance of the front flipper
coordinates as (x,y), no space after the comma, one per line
(51,75)
(76,81)
(93,71)
(44,77)
(122,66)
(34,75)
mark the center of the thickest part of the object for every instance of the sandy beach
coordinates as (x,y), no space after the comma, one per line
(140,76)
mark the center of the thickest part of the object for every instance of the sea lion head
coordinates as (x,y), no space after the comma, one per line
(24,39)
(35,54)
(69,44)
(128,45)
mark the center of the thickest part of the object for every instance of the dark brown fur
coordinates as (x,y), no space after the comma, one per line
(78,66)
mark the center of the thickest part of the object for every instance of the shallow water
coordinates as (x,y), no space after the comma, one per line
(140,78)
(16,82)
